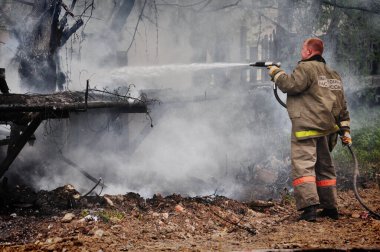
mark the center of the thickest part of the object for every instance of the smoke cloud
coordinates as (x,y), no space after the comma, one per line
(215,129)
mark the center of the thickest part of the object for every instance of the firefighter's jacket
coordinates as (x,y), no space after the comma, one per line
(315,100)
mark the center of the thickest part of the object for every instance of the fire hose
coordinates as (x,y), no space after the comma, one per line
(355,160)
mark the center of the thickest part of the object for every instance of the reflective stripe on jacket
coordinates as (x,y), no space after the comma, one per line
(315,99)
(303,134)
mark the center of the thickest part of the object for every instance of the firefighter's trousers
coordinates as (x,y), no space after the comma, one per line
(314,176)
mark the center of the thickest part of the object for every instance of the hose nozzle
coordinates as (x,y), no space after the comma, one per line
(264,64)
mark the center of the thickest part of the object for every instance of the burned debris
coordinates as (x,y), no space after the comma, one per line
(3,83)
(63,219)
(24,113)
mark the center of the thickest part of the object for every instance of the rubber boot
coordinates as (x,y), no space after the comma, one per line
(309,214)
(330,213)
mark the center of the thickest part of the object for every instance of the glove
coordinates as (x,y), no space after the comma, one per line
(275,72)
(346,138)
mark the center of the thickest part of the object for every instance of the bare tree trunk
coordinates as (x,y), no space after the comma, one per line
(121,14)
(40,42)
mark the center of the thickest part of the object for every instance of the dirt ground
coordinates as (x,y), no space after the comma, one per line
(62,220)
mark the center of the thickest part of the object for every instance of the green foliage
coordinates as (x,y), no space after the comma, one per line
(287,199)
(109,215)
(85,212)
(366,143)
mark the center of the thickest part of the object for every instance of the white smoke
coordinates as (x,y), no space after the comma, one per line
(208,128)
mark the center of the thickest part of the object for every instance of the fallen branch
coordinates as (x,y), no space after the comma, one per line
(86,174)
(260,203)
(248,229)
(92,189)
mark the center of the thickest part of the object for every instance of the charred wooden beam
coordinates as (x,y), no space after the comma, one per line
(3,83)
(26,112)
(18,107)
(16,146)
(124,107)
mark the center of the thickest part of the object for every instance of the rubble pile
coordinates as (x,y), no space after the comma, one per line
(63,220)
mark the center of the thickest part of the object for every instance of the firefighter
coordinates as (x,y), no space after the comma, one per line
(318,111)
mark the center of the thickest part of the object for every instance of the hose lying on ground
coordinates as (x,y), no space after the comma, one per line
(356,166)
(354,182)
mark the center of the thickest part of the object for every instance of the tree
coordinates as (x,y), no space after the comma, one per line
(121,13)
(349,29)
(40,35)
(372,6)
(350,26)
(46,26)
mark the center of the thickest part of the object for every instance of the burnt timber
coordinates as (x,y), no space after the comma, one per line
(24,113)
